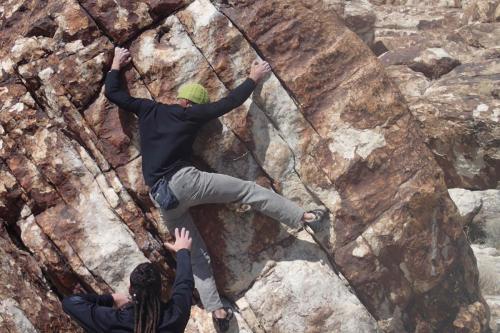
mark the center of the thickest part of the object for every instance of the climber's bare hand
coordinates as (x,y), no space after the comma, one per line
(120,299)
(182,241)
(121,59)
(258,70)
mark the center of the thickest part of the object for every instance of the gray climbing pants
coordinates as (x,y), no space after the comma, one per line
(193,187)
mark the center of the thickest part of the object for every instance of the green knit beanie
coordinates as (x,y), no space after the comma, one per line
(194,92)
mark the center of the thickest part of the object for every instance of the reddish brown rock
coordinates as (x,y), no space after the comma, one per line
(335,88)
(271,126)
(465,151)
(117,129)
(233,240)
(432,62)
(471,319)
(64,21)
(464,102)
(122,20)
(26,302)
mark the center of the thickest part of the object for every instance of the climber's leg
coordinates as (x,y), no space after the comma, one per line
(200,259)
(198,187)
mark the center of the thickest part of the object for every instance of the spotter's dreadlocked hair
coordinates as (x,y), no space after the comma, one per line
(145,281)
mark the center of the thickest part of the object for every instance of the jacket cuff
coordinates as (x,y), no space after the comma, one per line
(251,81)
(183,252)
(106,300)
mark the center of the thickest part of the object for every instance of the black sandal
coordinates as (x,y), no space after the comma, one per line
(314,225)
(223,323)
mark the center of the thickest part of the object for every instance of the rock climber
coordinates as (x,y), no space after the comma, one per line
(142,311)
(167,134)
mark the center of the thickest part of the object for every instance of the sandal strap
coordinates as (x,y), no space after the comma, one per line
(318,214)
(228,317)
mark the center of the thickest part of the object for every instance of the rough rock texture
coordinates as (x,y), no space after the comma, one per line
(328,128)
(360,141)
(245,145)
(488,261)
(481,209)
(122,20)
(454,95)
(27,305)
(457,50)
(358,16)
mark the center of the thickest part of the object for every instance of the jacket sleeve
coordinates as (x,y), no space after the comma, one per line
(206,112)
(94,313)
(183,286)
(116,93)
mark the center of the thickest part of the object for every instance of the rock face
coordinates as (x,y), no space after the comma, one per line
(453,94)
(457,51)
(27,305)
(328,128)
(488,260)
(480,210)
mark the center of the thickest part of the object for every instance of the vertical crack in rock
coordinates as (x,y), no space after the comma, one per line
(272,181)
(15,234)
(32,93)
(99,25)
(28,300)
(136,32)
(104,31)
(262,56)
(67,265)
(173,60)
(200,50)
(320,244)
(434,236)
(156,234)
(383,228)
(19,242)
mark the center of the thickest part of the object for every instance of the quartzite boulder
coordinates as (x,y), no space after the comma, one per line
(336,88)
(123,19)
(464,102)
(237,242)
(462,98)
(432,62)
(488,262)
(27,305)
(481,209)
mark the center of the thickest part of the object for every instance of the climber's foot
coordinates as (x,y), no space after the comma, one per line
(243,208)
(222,317)
(312,220)
(239,208)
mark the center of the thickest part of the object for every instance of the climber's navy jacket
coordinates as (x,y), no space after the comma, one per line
(95,313)
(168,131)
